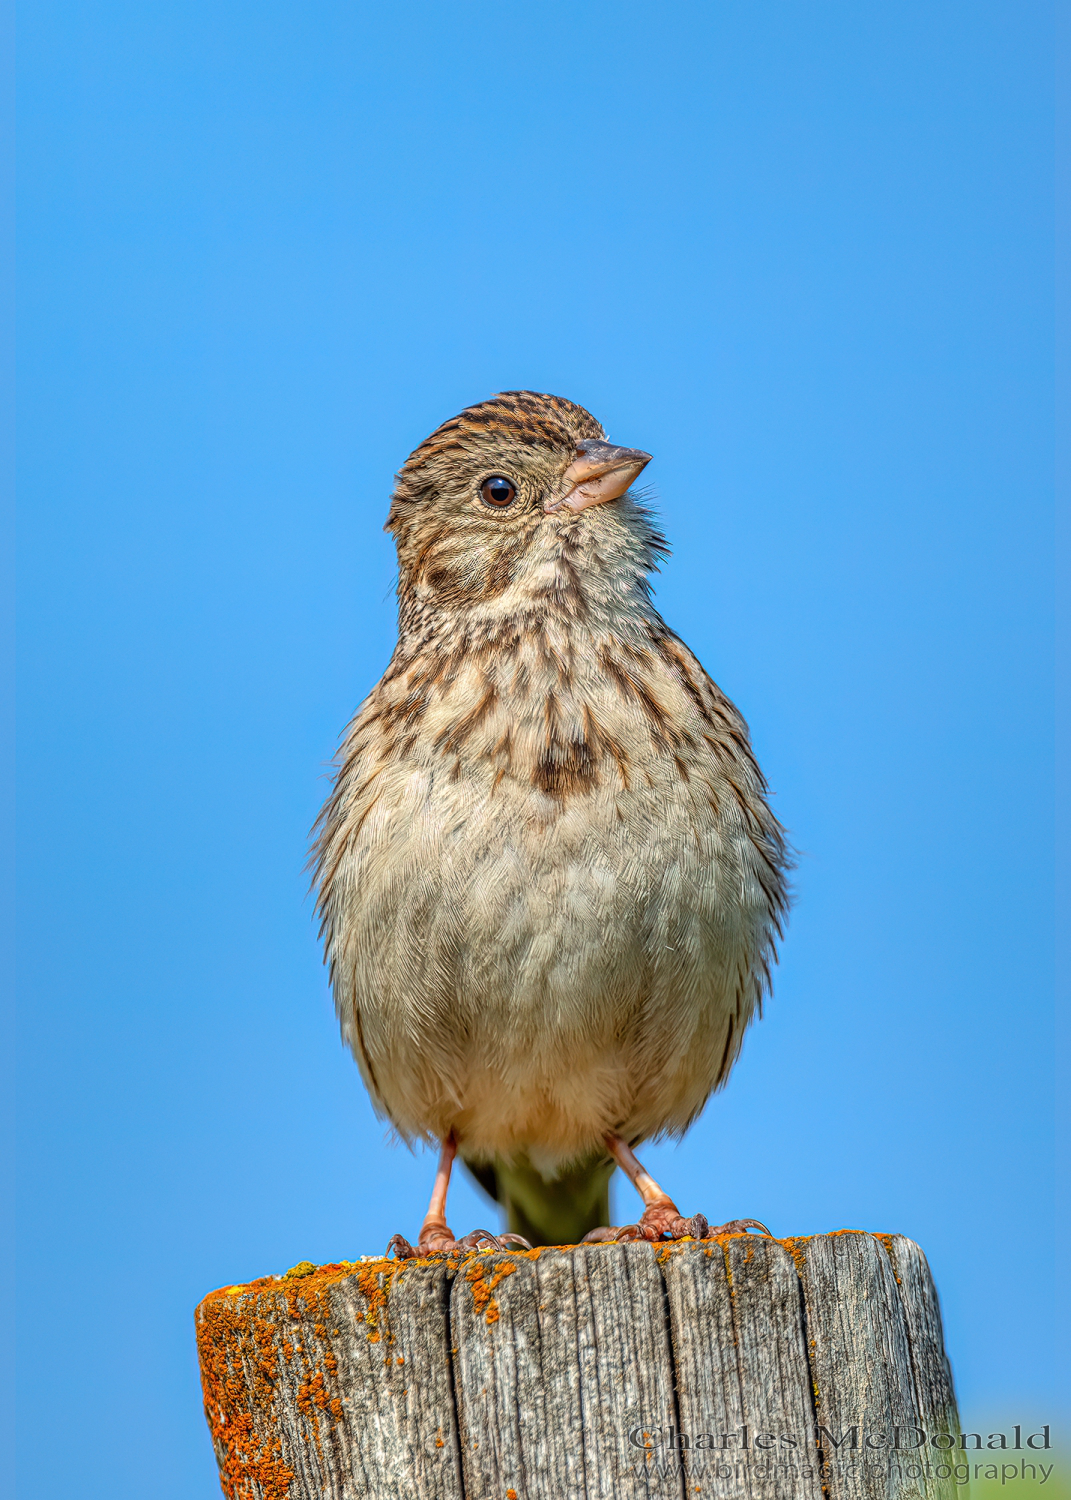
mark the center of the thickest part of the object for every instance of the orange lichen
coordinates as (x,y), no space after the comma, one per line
(886,1240)
(250,1465)
(374,1280)
(243,1342)
(483,1299)
(795,1249)
(312,1393)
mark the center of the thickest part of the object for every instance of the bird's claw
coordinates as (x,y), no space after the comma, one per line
(481,1237)
(738,1226)
(609,1235)
(658,1225)
(441,1244)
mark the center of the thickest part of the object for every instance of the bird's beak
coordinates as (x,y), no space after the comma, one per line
(598,473)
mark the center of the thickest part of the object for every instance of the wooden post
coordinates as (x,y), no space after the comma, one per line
(735,1367)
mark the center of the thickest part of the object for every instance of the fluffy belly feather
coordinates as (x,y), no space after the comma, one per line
(531,973)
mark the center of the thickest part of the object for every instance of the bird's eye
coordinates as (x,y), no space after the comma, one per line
(498,491)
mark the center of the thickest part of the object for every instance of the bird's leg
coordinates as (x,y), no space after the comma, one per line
(435,1232)
(436,1237)
(661,1216)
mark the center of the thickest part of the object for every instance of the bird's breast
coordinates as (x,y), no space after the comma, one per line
(564,719)
(542,854)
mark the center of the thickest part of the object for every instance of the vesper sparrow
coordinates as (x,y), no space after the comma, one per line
(549,879)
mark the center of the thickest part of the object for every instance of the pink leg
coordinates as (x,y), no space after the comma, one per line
(436,1237)
(435,1232)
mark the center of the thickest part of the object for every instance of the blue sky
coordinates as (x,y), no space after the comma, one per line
(802,254)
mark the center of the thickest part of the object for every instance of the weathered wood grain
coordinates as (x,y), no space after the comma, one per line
(933,1374)
(737,1367)
(559,1358)
(744,1387)
(866,1397)
(709,1396)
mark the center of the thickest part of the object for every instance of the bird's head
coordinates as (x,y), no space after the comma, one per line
(518,500)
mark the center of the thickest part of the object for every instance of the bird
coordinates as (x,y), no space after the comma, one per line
(550,884)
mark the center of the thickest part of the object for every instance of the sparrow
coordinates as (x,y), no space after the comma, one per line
(548,876)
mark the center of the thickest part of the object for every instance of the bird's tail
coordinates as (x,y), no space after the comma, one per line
(558,1212)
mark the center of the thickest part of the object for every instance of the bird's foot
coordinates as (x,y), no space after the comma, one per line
(436,1236)
(442,1242)
(663,1222)
(662,1219)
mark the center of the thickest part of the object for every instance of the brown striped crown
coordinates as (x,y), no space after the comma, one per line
(526,417)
